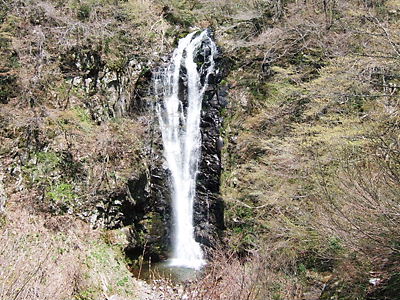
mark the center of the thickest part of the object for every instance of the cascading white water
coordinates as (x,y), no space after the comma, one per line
(180,126)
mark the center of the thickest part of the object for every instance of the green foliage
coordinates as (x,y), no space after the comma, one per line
(117,64)
(54,174)
(180,12)
(309,63)
(354,288)
(42,167)
(3,220)
(242,227)
(62,193)
(106,265)
(301,269)
(3,11)
(290,131)
(392,288)
(83,12)
(123,281)
(84,116)
(87,294)
(335,245)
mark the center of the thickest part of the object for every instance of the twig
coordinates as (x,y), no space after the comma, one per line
(391,42)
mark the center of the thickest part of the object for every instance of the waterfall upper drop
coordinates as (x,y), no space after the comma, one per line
(179,114)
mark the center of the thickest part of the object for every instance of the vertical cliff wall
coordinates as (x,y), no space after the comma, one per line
(153,232)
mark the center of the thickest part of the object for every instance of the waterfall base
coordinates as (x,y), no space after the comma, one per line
(195,264)
(164,270)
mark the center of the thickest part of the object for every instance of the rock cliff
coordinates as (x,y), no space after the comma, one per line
(153,232)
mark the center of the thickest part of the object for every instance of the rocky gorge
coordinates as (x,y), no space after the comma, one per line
(297,184)
(155,202)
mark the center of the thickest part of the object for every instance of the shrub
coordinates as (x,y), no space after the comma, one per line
(83,12)
(62,194)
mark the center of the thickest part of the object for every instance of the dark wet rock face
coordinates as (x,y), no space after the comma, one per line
(208,206)
(156,224)
(145,204)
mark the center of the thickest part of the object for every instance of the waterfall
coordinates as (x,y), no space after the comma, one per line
(180,87)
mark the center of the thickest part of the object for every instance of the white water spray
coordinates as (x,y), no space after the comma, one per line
(180,127)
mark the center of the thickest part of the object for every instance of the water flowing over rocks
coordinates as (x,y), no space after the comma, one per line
(144,203)
(179,112)
(152,234)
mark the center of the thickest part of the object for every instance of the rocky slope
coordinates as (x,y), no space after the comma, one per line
(310,162)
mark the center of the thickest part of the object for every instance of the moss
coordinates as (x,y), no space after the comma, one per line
(107,269)
(154,226)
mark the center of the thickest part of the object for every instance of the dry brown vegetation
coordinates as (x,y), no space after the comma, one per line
(69,141)
(311,179)
(67,132)
(50,257)
(311,165)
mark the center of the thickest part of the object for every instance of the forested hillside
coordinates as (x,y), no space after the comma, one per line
(311,154)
